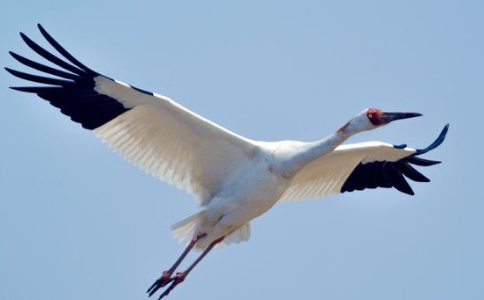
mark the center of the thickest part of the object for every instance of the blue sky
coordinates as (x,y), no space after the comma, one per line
(77,222)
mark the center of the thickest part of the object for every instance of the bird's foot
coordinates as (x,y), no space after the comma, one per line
(160,282)
(179,278)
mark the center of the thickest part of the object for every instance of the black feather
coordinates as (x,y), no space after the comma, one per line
(73,93)
(410,172)
(421,161)
(35,89)
(39,79)
(43,68)
(62,51)
(49,56)
(388,174)
(398,180)
(440,139)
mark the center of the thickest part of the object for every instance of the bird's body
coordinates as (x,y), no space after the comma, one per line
(235,179)
(244,194)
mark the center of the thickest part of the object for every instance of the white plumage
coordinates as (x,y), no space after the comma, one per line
(171,142)
(234,178)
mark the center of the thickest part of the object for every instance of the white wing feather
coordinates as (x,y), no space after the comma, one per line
(326,175)
(171,142)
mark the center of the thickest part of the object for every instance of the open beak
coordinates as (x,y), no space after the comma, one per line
(388,117)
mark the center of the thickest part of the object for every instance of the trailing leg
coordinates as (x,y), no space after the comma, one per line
(166,275)
(180,276)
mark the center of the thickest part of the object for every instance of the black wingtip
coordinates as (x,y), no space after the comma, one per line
(41,28)
(15,55)
(63,51)
(23,36)
(418,161)
(22,89)
(27,40)
(440,139)
(444,131)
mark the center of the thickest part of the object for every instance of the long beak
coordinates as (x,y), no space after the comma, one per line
(388,117)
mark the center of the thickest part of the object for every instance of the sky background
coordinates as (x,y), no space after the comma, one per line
(77,222)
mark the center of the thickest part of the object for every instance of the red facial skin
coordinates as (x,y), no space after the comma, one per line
(374,115)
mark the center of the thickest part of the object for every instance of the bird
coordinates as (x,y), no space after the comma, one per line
(235,179)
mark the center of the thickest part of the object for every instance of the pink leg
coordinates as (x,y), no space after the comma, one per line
(180,276)
(166,276)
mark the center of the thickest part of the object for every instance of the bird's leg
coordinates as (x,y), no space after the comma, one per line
(166,276)
(180,276)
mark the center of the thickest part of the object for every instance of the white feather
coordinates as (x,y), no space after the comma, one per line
(171,142)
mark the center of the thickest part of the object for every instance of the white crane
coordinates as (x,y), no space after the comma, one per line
(235,179)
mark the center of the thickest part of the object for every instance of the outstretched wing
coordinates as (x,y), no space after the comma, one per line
(149,130)
(361,166)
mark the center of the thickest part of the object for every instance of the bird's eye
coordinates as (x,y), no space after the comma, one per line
(370,116)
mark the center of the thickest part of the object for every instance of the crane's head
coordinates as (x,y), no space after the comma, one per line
(380,118)
(372,118)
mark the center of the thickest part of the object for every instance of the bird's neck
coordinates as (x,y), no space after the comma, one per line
(313,150)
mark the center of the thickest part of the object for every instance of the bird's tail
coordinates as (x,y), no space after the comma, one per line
(184,231)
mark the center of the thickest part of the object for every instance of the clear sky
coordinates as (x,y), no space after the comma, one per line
(77,222)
